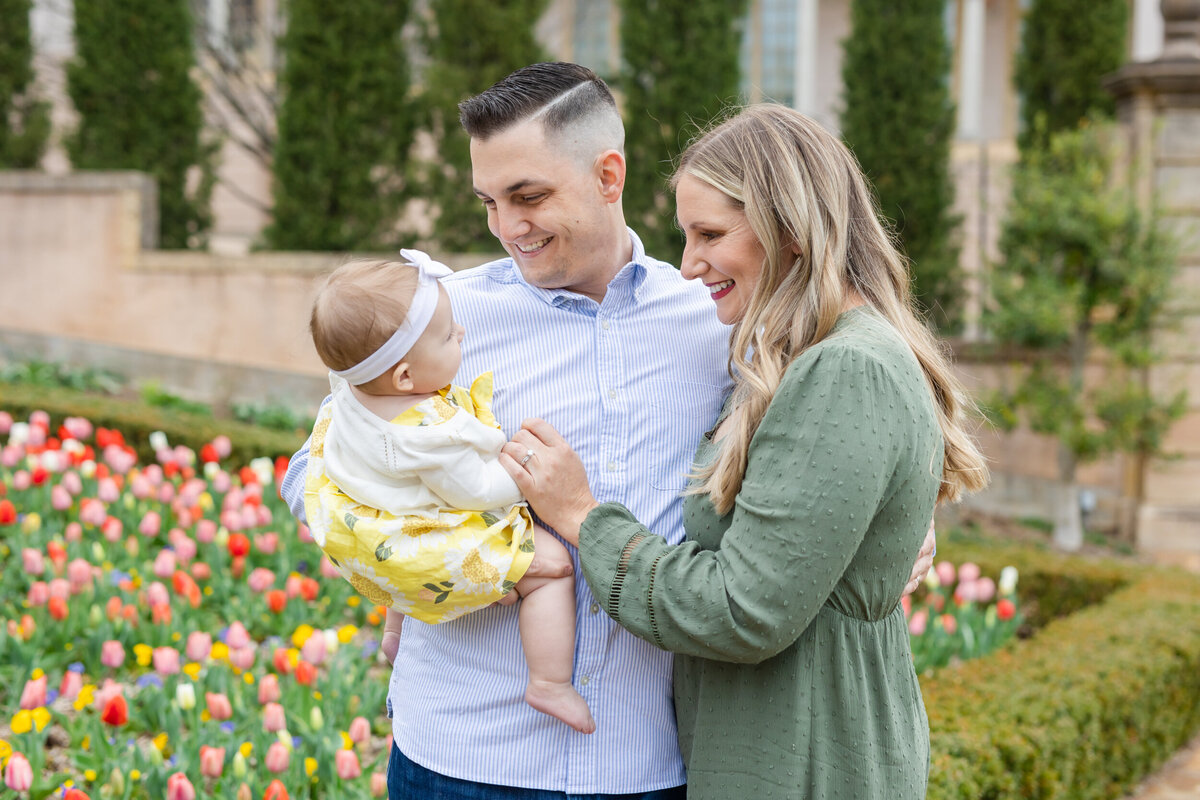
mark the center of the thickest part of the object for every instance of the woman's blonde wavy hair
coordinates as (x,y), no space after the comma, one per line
(801,188)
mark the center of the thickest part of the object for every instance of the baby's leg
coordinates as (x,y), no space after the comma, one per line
(547,621)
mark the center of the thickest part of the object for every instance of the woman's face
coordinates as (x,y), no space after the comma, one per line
(720,250)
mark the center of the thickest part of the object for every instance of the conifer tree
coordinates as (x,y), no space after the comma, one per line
(1067,46)
(471,44)
(898,119)
(139,108)
(24,120)
(345,127)
(680,69)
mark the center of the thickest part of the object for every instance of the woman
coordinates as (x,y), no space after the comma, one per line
(793,677)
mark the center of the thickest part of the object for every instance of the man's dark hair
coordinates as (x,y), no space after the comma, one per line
(564,92)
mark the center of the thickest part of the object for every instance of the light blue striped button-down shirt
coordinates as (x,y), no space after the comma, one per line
(631,383)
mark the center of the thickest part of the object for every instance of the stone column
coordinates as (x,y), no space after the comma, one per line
(805,66)
(1159,107)
(971,60)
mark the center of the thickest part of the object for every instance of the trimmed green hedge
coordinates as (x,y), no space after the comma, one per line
(137,421)
(1096,699)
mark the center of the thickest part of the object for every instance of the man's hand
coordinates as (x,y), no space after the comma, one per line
(538,569)
(924,561)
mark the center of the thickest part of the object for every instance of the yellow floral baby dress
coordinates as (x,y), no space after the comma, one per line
(441,530)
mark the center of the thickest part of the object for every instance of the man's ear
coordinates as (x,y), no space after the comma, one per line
(610,169)
(401,379)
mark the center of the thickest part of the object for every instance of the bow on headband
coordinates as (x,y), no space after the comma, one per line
(420,311)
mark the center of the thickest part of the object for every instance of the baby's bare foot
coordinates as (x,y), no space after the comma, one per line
(561,701)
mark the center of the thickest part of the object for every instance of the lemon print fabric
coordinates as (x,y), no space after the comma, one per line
(423,556)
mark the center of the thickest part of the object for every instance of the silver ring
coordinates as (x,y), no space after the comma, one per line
(525,459)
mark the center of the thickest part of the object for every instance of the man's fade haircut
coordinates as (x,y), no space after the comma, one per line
(558,93)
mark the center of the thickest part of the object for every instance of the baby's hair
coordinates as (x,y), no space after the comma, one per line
(358,307)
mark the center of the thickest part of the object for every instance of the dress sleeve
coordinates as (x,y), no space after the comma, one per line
(818,468)
(469,480)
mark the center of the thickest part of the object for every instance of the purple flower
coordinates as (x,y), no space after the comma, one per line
(149,679)
(76,666)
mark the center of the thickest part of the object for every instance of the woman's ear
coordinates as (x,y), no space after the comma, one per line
(401,379)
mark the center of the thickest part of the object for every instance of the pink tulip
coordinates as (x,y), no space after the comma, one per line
(79,428)
(968,572)
(18,775)
(945,572)
(166,660)
(328,570)
(157,595)
(39,593)
(180,788)
(112,654)
(378,784)
(32,561)
(34,693)
(60,498)
(231,519)
(73,532)
(292,585)
(965,591)
(264,517)
(237,636)
(10,455)
(278,757)
(206,531)
(248,517)
(92,512)
(346,764)
(185,549)
(165,564)
(260,580)
(141,487)
(150,525)
(223,446)
(916,625)
(360,730)
(242,657)
(274,718)
(40,419)
(79,575)
(112,528)
(105,693)
(212,761)
(166,493)
(219,707)
(221,482)
(60,587)
(243,793)
(303,533)
(22,480)
(154,474)
(268,689)
(985,590)
(72,682)
(72,483)
(6,423)
(313,650)
(182,515)
(107,490)
(199,646)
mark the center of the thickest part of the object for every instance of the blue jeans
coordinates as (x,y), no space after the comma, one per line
(410,781)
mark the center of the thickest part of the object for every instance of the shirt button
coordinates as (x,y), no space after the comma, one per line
(612,394)
(595,608)
(585,680)
(612,466)
(604,324)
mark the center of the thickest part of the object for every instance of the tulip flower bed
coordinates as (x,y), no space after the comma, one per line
(167,631)
(1105,690)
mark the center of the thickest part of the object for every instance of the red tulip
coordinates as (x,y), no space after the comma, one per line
(116,711)
(306,673)
(275,791)
(1005,609)
(239,544)
(219,707)
(180,788)
(212,761)
(277,600)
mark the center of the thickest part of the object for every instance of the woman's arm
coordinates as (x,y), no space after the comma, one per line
(818,469)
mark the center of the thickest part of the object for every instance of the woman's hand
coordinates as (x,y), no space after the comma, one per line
(551,477)
(924,560)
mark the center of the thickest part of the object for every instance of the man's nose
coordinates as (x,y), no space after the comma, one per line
(510,224)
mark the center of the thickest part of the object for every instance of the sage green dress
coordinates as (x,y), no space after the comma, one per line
(793,674)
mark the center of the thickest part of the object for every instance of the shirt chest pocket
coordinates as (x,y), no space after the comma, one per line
(680,411)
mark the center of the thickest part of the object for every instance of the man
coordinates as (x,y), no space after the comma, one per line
(628,361)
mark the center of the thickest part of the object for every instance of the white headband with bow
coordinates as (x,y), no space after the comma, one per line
(420,311)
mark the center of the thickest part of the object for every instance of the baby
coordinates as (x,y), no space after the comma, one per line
(404,492)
